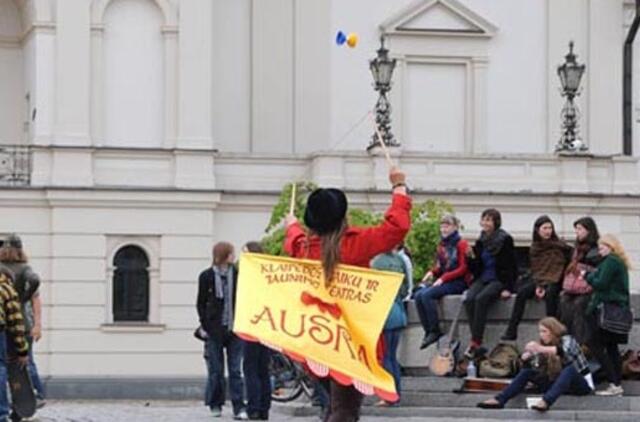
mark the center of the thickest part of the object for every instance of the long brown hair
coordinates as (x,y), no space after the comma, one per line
(221,252)
(557,330)
(330,252)
(10,254)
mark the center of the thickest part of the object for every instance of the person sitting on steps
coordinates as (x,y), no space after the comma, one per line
(548,256)
(555,364)
(493,264)
(452,278)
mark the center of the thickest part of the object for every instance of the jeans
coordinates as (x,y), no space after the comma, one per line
(33,372)
(4,378)
(479,296)
(256,373)
(390,359)
(528,291)
(215,388)
(321,388)
(569,381)
(608,354)
(426,305)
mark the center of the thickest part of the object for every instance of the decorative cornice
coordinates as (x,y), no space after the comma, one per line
(481,27)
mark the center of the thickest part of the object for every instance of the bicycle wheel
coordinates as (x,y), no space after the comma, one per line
(286,378)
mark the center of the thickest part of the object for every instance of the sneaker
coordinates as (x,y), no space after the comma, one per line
(611,390)
(470,353)
(216,412)
(241,416)
(40,403)
(429,339)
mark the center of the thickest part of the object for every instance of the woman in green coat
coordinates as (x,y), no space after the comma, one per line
(610,282)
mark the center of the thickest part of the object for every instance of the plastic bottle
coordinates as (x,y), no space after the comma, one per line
(472,371)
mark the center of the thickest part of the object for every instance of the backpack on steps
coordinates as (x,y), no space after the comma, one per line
(502,362)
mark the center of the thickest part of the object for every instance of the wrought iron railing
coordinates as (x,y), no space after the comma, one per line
(15,165)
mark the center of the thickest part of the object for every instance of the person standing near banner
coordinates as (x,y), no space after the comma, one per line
(216,305)
(256,368)
(333,242)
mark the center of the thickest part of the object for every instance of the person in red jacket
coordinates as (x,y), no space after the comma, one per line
(452,278)
(333,242)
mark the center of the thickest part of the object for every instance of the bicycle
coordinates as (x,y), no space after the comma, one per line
(288,379)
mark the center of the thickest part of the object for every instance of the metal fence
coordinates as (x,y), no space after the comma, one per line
(15,165)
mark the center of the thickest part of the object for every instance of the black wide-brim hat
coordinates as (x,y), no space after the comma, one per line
(326,208)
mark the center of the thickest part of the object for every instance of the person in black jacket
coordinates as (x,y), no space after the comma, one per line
(216,306)
(493,264)
(256,368)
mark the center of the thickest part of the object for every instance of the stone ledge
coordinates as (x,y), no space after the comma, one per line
(410,356)
(125,388)
(500,311)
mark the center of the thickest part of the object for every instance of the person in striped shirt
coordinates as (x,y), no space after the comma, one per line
(11,328)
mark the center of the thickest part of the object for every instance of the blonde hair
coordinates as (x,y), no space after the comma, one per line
(616,248)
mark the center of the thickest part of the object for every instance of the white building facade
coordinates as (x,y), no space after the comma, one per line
(168,125)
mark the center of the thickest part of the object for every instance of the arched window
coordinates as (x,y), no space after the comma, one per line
(130,285)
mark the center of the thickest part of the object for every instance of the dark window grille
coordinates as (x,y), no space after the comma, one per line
(15,165)
(131,285)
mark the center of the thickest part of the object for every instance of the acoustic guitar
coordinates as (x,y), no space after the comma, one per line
(444,361)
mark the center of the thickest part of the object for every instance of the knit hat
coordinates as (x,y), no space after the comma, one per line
(326,209)
(13,241)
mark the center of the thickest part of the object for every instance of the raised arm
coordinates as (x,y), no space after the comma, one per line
(295,238)
(397,222)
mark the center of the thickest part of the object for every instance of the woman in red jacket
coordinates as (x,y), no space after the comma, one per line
(452,278)
(333,242)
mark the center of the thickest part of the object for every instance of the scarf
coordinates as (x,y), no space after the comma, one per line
(449,244)
(493,242)
(547,260)
(220,293)
(579,253)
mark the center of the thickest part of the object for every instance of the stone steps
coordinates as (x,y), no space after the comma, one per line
(429,384)
(415,361)
(473,413)
(502,414)
(469,400)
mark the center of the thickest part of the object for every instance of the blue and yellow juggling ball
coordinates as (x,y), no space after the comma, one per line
(351,39)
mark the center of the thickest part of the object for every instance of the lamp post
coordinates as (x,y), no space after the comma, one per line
(570,74)
(382,70)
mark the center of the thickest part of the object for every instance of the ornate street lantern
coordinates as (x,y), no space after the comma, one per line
(570,74)
(382,70)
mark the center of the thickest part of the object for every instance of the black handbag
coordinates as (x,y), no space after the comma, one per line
(614,318)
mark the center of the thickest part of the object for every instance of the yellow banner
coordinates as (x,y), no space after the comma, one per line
(283,303)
